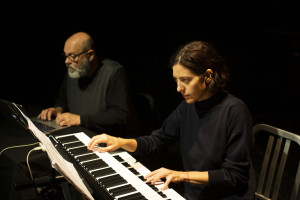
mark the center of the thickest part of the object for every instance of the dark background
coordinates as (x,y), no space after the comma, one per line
(261,43)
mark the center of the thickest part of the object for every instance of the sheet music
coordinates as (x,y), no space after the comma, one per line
(57,161)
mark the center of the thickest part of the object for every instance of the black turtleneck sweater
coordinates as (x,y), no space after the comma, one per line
(215,136)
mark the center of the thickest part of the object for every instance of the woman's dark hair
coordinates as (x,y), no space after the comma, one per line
(198,56)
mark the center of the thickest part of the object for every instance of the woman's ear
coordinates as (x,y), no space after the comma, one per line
(208,75)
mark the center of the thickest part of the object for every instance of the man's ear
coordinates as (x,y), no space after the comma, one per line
(208,75)
(91,54)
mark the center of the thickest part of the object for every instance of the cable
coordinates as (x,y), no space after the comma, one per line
(25,145)
(28,163)
(43,148)
(40,147)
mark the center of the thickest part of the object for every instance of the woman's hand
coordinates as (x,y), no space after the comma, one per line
(112,143)
(169,175)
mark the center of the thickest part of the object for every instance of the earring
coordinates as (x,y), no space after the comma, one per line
(207,79)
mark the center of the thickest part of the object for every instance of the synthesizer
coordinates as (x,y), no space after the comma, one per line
(110,176)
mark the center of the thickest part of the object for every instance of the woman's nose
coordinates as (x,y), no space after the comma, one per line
(179,87)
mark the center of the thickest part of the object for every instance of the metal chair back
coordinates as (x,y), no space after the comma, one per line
(274,162)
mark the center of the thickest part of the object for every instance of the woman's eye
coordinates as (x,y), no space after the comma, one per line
(185,80)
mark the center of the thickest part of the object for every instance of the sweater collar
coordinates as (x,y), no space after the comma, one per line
(204,106)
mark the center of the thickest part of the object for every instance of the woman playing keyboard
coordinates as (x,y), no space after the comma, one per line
(213,126)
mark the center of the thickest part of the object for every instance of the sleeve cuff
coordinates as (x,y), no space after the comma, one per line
(84,120)
(215,177)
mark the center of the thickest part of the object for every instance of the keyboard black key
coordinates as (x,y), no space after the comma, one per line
(153,187)
(126,164)
(67,139)
(74,144)
(109,178)
(87,157)
(103,172)
(115,182)
(134,171)
(118,158)
(94,164)
(79,151)
(162,194)
(135,196)
(123,190)
(157,190)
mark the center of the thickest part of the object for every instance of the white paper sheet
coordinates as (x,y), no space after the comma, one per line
(57,161)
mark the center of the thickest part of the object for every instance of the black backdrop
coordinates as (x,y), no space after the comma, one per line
(260,43)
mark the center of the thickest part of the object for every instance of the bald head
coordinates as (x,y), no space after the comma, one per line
(79,42)
(81,59)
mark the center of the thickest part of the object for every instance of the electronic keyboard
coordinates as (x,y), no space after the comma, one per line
(110,176)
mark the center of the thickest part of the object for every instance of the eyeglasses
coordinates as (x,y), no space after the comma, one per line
(74,57)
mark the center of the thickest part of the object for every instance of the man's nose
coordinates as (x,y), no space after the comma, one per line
(68,60)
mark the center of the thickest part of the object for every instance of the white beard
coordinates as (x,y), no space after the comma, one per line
(78,73)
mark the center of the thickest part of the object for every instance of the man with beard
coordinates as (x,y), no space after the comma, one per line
(95,92)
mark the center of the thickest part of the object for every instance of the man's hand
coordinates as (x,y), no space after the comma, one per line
(67,119)
(47,114)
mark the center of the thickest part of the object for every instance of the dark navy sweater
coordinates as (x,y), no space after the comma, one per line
(215,136)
